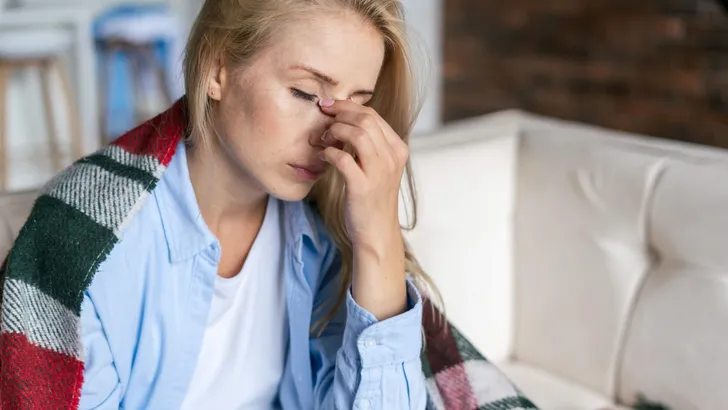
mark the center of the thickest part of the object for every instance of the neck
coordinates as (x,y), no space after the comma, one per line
(227,197)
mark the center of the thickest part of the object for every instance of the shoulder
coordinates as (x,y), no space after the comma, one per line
(77,220)
(78,217)
(74,224)
(142,239)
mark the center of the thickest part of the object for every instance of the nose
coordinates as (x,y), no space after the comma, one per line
(323,123)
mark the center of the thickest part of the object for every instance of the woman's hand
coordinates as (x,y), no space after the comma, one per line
(372,179)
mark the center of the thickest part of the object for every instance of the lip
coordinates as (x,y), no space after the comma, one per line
(308,172)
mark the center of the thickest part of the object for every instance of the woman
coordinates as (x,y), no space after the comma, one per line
(241,250)
(274,90)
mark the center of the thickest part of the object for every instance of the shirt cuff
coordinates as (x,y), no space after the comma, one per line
(395,340)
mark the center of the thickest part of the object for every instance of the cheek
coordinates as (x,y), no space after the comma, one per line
(250,116)
(268,121)
(295,119)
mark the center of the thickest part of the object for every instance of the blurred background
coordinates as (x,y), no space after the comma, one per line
(653,67)
(104,66)
(656,67)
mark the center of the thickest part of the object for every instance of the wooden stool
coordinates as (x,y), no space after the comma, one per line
(139,55)
(135,34)
(41,50)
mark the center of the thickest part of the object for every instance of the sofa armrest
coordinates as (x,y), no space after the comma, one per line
(465,178)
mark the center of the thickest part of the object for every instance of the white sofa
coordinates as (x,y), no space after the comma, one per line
(589,265)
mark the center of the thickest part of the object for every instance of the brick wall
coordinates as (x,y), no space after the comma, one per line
(657,67)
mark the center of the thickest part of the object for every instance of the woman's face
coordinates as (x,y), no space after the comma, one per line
(268,115)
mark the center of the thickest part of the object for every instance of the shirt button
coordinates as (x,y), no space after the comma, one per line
(215,252)
(364,404)
(369,343)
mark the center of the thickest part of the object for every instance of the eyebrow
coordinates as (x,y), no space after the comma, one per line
(326,78)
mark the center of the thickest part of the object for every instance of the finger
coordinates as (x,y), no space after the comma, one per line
(345,164)
(354,114)
(364,145)
(342,106)
(362,121)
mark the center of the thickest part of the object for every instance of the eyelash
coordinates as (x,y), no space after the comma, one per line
(304,96)
(310,97)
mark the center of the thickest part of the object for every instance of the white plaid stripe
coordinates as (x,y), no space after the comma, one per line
(44,321)
(103,196)
(489,384)
(146,163)
(433,392)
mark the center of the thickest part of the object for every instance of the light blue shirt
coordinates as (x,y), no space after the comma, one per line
(144,316)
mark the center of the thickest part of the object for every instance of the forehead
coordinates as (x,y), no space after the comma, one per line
(340,45)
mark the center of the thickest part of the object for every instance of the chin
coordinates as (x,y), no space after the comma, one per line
(289,185)
(290,191)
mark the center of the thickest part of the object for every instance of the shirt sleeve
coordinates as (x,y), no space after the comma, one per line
(362,363)
(101,388)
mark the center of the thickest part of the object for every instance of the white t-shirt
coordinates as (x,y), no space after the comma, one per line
(243,351)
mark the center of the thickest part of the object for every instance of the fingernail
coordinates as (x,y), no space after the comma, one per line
(326,102)
(321,156)
(323,136)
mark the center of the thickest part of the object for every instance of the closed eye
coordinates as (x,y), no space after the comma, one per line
(304,96)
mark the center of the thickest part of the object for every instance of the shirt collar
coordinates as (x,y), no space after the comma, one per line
(300,221)
(186,232)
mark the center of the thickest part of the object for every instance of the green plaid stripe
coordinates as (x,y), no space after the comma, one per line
(40,255)
(510,403)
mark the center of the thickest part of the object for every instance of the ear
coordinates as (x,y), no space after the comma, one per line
(218,79)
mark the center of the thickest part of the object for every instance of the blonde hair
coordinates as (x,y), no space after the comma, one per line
(235,30)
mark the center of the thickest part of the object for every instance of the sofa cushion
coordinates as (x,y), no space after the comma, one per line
(581,251)
(550,392)
(676,347)
(14,209)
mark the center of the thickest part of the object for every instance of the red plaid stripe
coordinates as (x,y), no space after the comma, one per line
(30,376)
(159,136)
(441,348)
(455,389)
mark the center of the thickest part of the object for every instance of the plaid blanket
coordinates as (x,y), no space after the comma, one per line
(458,376)
(76,222)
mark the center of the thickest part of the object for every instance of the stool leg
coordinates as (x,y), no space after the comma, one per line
(137,86)
(158,67)
(5,71)
(105,70)
(72,107)
(45,70)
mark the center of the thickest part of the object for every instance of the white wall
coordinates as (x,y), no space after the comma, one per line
(425,19)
